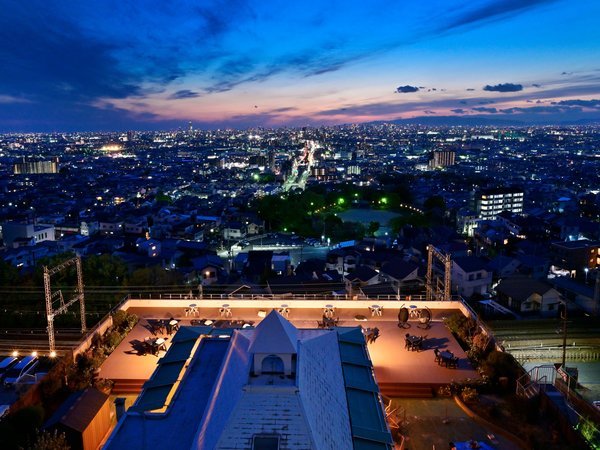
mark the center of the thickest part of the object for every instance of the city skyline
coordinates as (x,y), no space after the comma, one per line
(124,65)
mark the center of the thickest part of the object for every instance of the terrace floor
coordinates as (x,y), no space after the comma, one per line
(392,362)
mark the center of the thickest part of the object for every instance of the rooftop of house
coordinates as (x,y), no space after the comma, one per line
(362,273)
(470,263)
(519,287)
(579,244)
(398,268)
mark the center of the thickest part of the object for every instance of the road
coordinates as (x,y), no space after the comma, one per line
(301,167)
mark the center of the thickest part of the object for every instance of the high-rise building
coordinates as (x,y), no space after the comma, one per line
(442,158)
(491,202)
(36,167)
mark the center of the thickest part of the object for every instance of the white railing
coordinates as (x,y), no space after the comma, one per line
(188,296)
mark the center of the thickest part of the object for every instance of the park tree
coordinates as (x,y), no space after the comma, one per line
(372,228)
(149,278)
(104,270)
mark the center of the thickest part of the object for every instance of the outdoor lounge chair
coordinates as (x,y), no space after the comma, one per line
(403,318)
(425,319)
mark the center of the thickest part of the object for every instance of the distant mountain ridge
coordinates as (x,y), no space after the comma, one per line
(482,121)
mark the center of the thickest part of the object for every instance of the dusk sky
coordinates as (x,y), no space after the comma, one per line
(120,65)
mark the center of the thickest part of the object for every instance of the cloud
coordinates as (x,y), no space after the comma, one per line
(183,94)
(284,109)
(470,89)
(406,89)
(594,104)
(458,111)
(13,99)
(503,87)
(536,85)
(541,110)
(485,110)
(493,11)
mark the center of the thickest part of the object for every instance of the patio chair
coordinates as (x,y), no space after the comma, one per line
(375,334)
(403,318)
(425,319)
(418,345)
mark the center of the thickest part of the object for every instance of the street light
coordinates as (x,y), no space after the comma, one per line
(563,317)
(586,270)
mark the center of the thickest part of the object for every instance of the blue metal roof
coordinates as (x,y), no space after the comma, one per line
(367,419)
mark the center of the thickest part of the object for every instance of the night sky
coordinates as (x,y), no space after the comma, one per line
(120,65)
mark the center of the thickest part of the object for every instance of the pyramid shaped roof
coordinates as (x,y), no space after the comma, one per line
(275,334)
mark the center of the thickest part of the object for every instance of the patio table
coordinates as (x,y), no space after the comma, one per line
(225,310)
(376,310)
(284,310)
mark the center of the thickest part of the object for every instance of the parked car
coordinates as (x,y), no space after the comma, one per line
(6,364)
(20,370)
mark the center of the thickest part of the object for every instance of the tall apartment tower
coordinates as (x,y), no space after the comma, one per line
(36,166)
(491,202)
(442,158)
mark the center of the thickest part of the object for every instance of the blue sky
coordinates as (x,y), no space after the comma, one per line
(119,65)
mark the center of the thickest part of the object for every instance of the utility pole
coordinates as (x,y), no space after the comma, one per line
(563,316)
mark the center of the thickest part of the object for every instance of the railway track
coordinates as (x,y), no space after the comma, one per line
(28,340)
(543,339)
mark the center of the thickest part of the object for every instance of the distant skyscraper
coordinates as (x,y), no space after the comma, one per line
(36,167)
(491,202)
(442,158)
(271,160)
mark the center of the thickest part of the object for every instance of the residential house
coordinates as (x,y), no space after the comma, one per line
(470,276)
(399,273)
(149,247)
(359,277)
(522,294)
(233,231)
(502,266)
(207,268)
(586,297)
(16,234)
(344,260)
